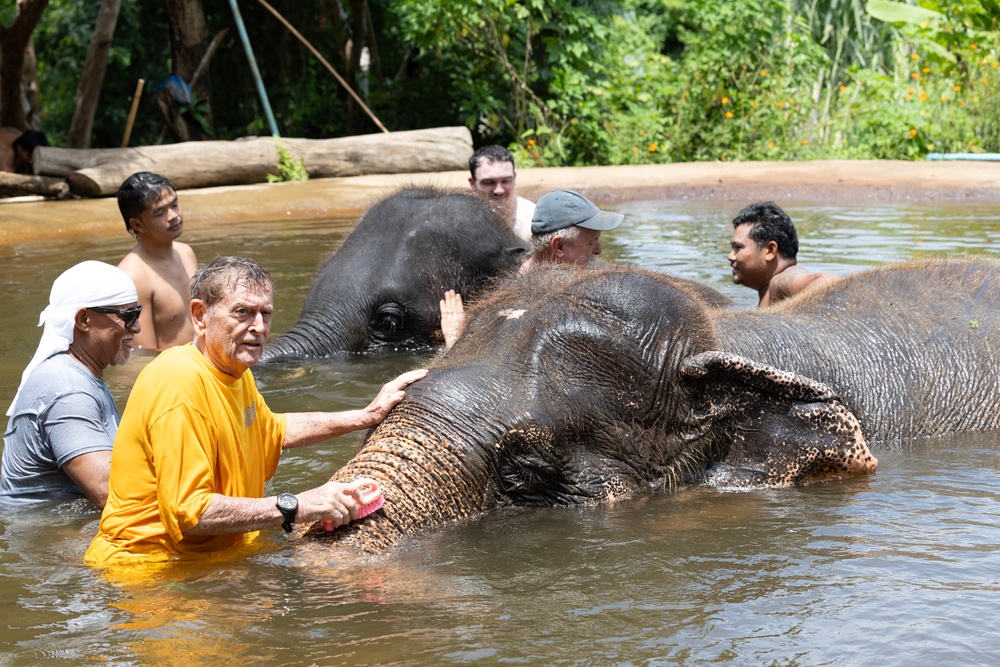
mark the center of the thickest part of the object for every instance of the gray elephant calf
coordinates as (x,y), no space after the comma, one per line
(382,287)
(581,386)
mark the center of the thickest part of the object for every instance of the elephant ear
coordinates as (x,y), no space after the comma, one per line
(782,429)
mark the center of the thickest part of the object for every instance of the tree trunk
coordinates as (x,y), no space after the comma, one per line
(16,185)
(88,92)
(200,164)
(29,84)
(14,40)
(189,42)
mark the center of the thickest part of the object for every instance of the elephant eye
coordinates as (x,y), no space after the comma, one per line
(388,323)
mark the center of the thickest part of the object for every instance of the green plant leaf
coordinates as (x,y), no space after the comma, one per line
(897,12)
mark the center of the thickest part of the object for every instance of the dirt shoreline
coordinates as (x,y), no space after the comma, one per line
(843,181)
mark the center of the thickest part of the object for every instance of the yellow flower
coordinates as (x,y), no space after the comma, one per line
(770,144)
(910,91)
(944,98)
(635,149)
(982,63)
(729,114)
(962,102)
(725,155)
(763,72)
(725,101)
(922,96)
(652,148)
(907,98)
(926,70)
(993,65)
(973,46)
(753,104)
(780,104)
(913,132)
(914,75)
(805,141)
(843,88)
(983,79)
(958,89)
(969,144)
(531,142)
(915,56)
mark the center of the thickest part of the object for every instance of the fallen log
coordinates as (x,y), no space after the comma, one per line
(199,164)
(19,185)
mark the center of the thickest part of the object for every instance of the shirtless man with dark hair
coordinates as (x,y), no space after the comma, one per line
(160,266)
(764,247)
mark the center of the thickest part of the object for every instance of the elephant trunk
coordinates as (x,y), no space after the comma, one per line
(429,475)
(305,339)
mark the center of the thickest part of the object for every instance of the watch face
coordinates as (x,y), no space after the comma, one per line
(287,501)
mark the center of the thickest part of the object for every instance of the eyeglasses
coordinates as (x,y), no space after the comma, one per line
(129,316)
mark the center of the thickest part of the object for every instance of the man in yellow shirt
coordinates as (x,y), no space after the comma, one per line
(197,441)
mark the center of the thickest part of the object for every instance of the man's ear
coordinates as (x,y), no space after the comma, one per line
(199,313)
(82,320)
(556,246)
(135,224)
(472,182)
(771,251)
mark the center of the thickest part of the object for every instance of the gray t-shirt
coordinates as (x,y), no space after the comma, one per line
(63,411)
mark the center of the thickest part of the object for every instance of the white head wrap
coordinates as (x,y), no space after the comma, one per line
(87,284)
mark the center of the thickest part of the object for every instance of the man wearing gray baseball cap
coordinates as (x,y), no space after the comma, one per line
(566,227)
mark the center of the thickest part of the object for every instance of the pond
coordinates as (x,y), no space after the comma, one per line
(898,568)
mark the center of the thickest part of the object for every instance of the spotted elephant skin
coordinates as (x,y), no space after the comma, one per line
(582,386)
(382,287)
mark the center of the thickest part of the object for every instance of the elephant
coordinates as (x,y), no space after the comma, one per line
(577,387)
(382,287)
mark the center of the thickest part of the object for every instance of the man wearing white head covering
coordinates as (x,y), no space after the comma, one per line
(63,419)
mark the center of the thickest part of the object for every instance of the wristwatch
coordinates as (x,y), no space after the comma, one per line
(288,505)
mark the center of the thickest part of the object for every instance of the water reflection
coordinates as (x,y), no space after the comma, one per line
(900,565)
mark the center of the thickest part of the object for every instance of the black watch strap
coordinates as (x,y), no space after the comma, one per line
(288,505)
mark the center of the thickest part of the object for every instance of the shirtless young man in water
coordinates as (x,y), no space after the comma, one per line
(160,266)
(764,247)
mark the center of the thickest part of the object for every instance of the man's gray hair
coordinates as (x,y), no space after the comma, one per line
(541,241)
(223,274)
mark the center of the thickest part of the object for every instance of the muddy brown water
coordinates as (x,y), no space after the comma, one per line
(899,568)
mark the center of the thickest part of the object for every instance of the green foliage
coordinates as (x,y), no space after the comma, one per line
(289,169)
(577,82)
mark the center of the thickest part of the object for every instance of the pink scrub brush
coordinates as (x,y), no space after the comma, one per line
(371,500)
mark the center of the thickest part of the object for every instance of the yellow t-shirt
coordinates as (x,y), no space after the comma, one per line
(188,432)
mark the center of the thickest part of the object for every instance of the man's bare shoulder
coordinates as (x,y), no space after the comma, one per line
(796,279)
(133,263)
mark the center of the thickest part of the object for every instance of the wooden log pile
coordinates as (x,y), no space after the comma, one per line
(199,164)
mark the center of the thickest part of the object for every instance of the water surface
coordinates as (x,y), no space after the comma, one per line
(899,568)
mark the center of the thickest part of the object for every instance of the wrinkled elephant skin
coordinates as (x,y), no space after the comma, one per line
(382,287)
(581,386)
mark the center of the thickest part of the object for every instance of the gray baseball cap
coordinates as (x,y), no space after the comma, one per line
(560,209)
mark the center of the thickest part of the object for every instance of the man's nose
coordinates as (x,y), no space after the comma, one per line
(498,190)
(257,324)
(731,257)
(597,248)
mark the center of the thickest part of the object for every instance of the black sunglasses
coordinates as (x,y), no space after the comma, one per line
(129,316)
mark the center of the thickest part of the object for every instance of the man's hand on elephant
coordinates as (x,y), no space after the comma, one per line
(334,503)
(391,394)
(452,317)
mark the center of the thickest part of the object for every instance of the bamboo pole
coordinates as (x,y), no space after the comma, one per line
(316,53)
(131,113)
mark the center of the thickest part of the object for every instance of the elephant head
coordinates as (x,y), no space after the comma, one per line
(579,386)
(383,286)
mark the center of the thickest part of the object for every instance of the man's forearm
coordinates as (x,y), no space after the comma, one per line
(227,515)
(307,428)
